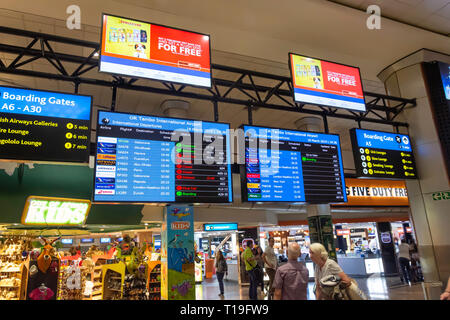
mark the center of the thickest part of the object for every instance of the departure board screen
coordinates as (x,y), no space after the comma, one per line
(152,159)
(44,126)
(292,166)
(380,154)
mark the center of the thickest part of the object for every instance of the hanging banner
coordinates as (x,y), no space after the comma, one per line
(177,254)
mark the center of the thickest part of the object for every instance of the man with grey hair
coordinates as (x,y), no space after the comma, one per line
(291,279)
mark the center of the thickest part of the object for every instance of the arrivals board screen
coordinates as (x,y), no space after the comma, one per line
(44,126)
(151,159)
(142,49)
(326,83)
(292,166)
(380,154)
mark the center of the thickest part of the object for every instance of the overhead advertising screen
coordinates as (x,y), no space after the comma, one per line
(44,126)
(445,76)
(292,166)
(151,159)
(380,154)
(142,49)
(87,240)
(221,227)
(326,83)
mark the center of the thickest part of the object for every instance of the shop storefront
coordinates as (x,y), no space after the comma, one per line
(357,239)
(213,237)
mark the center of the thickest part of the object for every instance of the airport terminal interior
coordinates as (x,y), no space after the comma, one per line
(146,144)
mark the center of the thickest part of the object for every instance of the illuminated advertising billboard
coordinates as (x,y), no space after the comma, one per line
(45,211)
(44,126)
(325,83)
(379,154)
(141,49)
(375,192)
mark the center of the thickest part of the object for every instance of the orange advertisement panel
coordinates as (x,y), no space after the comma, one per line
(365,192)
(321,82)
(142,49)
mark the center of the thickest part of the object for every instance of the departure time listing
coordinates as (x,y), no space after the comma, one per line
(137,164)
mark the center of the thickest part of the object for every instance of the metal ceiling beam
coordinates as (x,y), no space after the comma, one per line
(257,95)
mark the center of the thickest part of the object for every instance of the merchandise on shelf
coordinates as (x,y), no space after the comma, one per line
(154,280)
(13,252)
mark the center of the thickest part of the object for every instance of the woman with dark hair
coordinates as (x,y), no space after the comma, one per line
(221,270)
(260,269)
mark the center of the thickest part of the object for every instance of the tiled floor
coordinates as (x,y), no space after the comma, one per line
(376,287)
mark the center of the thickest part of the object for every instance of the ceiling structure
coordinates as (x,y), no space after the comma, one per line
(149,103)
(254,34)
(430,15)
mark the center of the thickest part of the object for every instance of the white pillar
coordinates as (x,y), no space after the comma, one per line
(405,78)
(309,124)
(175,108)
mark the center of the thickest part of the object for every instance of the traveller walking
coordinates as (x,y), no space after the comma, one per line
(270,263)
(250,265)
(291,279)
(403,260)
(325,267)
(221,270)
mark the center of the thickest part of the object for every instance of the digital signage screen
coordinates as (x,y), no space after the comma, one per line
(105,240)
(87,240)
(66,241)
(445,76)
(144,158)
(325,83)
(141,49)
(381,154)
(44,126)
(292,166)
(220,227)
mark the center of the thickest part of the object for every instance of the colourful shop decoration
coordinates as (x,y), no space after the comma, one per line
(177,254)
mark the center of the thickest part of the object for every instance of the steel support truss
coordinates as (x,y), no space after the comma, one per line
(246,90)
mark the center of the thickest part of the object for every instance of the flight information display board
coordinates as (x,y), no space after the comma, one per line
(142,49)
(292,166)
(151,159)
(44,126)
(381,154)
(326,83)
